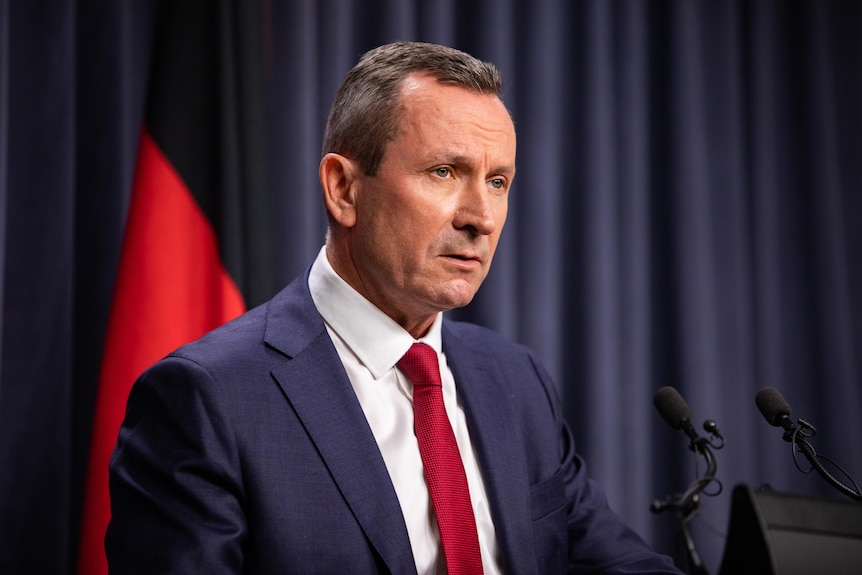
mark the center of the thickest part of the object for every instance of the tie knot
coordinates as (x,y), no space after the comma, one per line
(420,365)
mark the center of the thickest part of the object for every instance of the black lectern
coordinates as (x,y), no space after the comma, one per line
(772,533)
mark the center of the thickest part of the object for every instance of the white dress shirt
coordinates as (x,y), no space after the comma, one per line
(369,344)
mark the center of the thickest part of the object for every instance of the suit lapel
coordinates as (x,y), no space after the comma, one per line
(495,433)
(315,383)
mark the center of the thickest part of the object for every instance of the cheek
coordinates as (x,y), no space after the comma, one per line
(502,210)
(500,219)
(397,241)
(419,225)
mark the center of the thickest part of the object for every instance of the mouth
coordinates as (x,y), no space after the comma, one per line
(465,261)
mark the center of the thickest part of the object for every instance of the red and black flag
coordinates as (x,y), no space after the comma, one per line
(194,248)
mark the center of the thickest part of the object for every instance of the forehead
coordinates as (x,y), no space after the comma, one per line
(443,114)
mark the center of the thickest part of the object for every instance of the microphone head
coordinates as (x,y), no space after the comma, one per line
(772,406)
(672,407)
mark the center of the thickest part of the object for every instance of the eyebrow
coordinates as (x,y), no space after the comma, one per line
(459,160)
(510,169)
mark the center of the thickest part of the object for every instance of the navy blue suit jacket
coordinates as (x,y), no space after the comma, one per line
(248,452)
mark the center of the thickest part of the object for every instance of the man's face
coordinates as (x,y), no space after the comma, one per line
(427,224)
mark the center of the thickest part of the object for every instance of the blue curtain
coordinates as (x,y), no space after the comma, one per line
(686,213)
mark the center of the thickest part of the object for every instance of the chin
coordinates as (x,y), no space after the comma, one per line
(456,300)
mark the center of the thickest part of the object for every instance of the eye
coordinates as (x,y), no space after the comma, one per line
(497,183)
(442,172)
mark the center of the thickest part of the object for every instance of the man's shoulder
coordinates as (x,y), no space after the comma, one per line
(469,335)
(235,336)
(468,331)
(288,312)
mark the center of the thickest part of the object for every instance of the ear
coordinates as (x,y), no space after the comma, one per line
(338,180)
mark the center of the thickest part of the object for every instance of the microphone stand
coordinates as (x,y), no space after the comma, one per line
(796,436)
(685,505)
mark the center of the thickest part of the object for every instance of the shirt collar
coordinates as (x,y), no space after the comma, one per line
(376,339)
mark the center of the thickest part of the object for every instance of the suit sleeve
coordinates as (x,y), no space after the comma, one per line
(599,541)
(176,493)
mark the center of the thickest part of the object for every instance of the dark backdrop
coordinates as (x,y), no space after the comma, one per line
(686,212)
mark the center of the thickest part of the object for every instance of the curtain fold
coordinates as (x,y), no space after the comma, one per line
(685,213)
(38,294)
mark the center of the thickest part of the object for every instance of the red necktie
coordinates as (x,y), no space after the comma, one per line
(444,470)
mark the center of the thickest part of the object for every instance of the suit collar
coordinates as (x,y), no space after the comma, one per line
(317,387)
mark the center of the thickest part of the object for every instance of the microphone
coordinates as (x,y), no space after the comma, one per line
(675,411)
(775,409)
(777,412)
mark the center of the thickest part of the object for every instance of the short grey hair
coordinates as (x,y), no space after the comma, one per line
(366,113)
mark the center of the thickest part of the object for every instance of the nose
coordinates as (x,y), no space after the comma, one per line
(475,211)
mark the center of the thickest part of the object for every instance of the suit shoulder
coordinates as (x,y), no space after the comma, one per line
(237,336)
(471,332)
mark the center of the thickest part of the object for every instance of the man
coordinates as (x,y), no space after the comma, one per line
(284,441)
